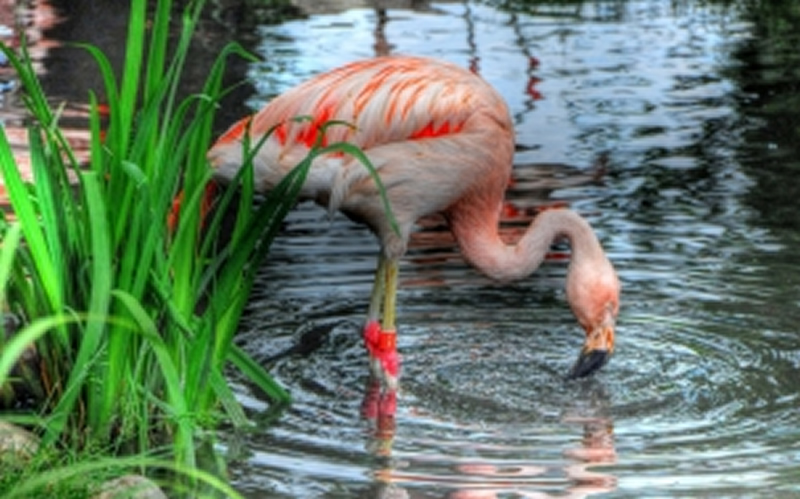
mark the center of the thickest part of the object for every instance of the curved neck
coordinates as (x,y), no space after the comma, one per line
(482,246)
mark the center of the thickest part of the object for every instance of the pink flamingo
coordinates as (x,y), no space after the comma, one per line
(442,140)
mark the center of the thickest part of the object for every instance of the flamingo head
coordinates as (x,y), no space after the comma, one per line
(595,302)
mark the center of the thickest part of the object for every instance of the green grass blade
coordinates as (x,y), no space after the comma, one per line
(258,375)
(23,339)
(173,383)
(101,285)
(26,212)
(34,98)
(42,484)
(134,59)
(354,151)
(48,200)
(228,400)
(92,335)
(158,49)
(11,237)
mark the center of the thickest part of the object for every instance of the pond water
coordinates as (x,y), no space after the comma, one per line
(671,126)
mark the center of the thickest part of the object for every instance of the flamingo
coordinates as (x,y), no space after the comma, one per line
(442,140)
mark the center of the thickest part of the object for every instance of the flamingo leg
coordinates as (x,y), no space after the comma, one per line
(378,291)
(380,398)
(380,336)
(390,297)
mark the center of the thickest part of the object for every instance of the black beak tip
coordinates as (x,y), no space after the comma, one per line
(588,363)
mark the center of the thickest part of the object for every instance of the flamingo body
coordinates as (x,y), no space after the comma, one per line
(418,120)
(442,141)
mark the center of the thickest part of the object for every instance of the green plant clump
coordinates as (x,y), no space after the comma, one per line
(133,322)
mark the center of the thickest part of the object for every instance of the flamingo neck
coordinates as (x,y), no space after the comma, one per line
(482,246)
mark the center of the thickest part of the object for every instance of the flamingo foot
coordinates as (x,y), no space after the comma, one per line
(383,357)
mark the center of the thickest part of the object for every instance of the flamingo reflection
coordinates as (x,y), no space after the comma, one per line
(492,478)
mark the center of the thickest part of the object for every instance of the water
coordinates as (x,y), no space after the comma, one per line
(656,120)
(672,127)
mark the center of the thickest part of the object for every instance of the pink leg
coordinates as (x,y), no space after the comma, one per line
(380,338)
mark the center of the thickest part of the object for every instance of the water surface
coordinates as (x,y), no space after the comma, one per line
(668,125)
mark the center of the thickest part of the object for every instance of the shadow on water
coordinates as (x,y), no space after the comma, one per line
(672,126)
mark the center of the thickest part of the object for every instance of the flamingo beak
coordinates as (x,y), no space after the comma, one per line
(595,353)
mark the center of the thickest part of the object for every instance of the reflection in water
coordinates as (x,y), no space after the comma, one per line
(28,22)
(379,409)
(768,85)
(490,479)
(596,449)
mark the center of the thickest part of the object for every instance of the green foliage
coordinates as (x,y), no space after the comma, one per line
(82,475)
(133,322)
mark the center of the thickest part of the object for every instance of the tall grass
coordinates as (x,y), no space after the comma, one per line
(133,322)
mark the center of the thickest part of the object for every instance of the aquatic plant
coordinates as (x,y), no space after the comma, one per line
(133,320)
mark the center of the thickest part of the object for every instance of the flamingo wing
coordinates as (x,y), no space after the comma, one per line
(430,128)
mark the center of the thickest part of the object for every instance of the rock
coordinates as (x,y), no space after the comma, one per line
(130,487)
(16,443)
